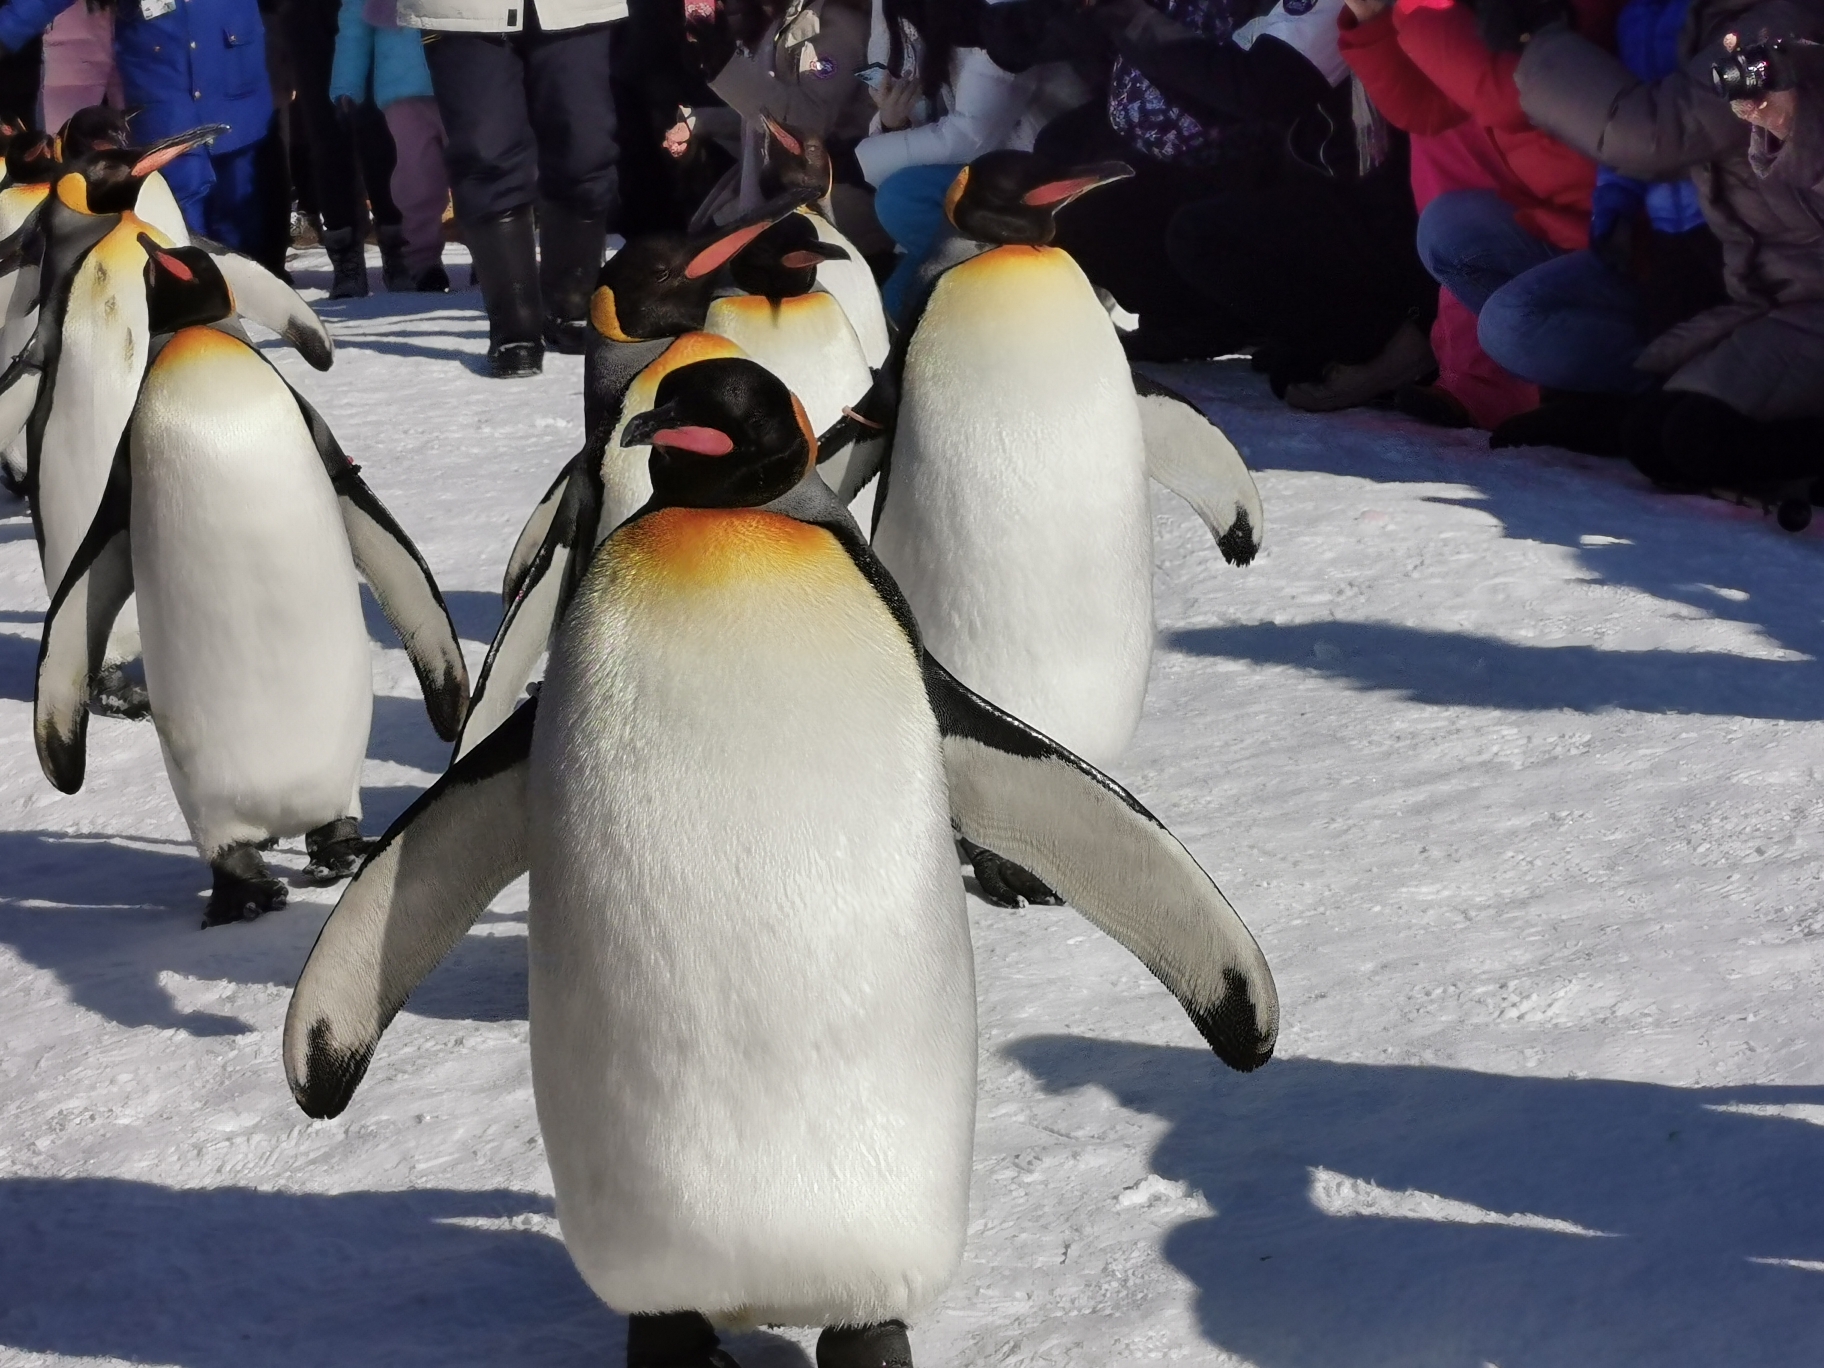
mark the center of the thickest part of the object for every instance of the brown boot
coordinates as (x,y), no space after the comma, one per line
(1406,358)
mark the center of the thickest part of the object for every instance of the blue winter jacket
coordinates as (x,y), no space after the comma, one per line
(394,56)
(203,62)
(1646,40)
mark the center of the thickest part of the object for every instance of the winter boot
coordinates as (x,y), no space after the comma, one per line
(1586,423)
(505,253)
(570,257)
(335,849)
(1404,360)
(244,887)
(394,273)
(882,1345)
(348,258)
(676,1339)
(433,279)
(1432,404)
(1004,883)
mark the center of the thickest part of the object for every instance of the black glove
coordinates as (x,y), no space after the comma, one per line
(1505,25)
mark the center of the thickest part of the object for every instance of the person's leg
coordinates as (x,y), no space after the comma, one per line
(910,206)
(192,178)
(571,106)
(492,158)
(421,187)
(338,192)
(1472,244)
(1568,324)
(235,209)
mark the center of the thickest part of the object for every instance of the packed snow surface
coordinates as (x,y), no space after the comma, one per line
(1511,763)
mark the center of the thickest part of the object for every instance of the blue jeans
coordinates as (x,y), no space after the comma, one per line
(1571,324)
(1559,319)
(910,206)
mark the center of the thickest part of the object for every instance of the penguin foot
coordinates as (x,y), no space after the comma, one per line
(244,887)
(336,850)
(1006,884)
(882,1345)
(116,693)
(675,1339)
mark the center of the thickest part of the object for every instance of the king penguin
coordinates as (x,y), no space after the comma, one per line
(646,318)
(801,161)
(752,1000)
(1014,508)
(241,526)
(73,387)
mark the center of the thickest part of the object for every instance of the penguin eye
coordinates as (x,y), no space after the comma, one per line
(664,273)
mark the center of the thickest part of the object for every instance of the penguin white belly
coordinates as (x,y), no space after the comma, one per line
(626,473)
(852,283)
(752,996)
(808,343)
(257,657)
(1017,519)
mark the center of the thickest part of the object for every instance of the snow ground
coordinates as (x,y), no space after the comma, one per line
(1511,764)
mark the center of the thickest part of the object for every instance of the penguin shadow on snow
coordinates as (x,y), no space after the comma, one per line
(1409,1217)
(112,918)
(231,1277)
(19,656)
(409,325)
(1711,557)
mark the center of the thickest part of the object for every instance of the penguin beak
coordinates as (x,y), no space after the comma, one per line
(728,243)
(162,154)
(783,136)
(1056,194)
(660,428)
(801,258)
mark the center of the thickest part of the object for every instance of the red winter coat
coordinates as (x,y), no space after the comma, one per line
(1427,70)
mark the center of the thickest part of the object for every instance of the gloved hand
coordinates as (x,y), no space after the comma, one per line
(1505,25)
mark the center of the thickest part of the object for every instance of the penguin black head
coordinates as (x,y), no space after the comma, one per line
(31,159)
(94,128)
(725,433)
(107,180)
(184,288)
(782,262)
(795,161)
(661,284)
(1008,198)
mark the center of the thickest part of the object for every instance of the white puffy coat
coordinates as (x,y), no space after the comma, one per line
(506,16)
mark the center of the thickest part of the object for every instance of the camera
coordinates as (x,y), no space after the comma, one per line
(1750,72)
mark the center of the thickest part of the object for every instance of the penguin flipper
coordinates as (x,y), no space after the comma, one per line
(1026,798)
(18,397)
(402,583)
(74,645)
(544,593)
(270,302)
(866,431)
(532,535)
(415,896)
(1190,456)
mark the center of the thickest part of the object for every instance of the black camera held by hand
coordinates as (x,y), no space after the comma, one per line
(1751,72)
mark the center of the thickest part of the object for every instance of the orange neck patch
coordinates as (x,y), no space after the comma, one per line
(706,548)
(603,317)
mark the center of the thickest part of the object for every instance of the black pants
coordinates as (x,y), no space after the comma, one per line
(20,78)
(529,116)
(351,161)
(1311,268)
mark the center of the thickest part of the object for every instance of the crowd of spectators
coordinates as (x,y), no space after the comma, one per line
(1583,223)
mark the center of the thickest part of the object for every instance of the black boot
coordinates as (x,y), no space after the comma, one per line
(883,1345)
(348,258)
(335,850)
(1004,883)
(1587,423)
(394,273)
(676,1339)
(570,257)
(505,253)
(244,887)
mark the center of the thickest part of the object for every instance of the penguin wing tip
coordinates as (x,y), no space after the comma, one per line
(1239,545)
(1231,1025)
(331,1073)
(313,344)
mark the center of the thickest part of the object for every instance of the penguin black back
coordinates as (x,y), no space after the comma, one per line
(725,433)
(1012,198)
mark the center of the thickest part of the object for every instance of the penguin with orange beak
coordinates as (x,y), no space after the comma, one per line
(1015,511)
(73,386)
(753,1029)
